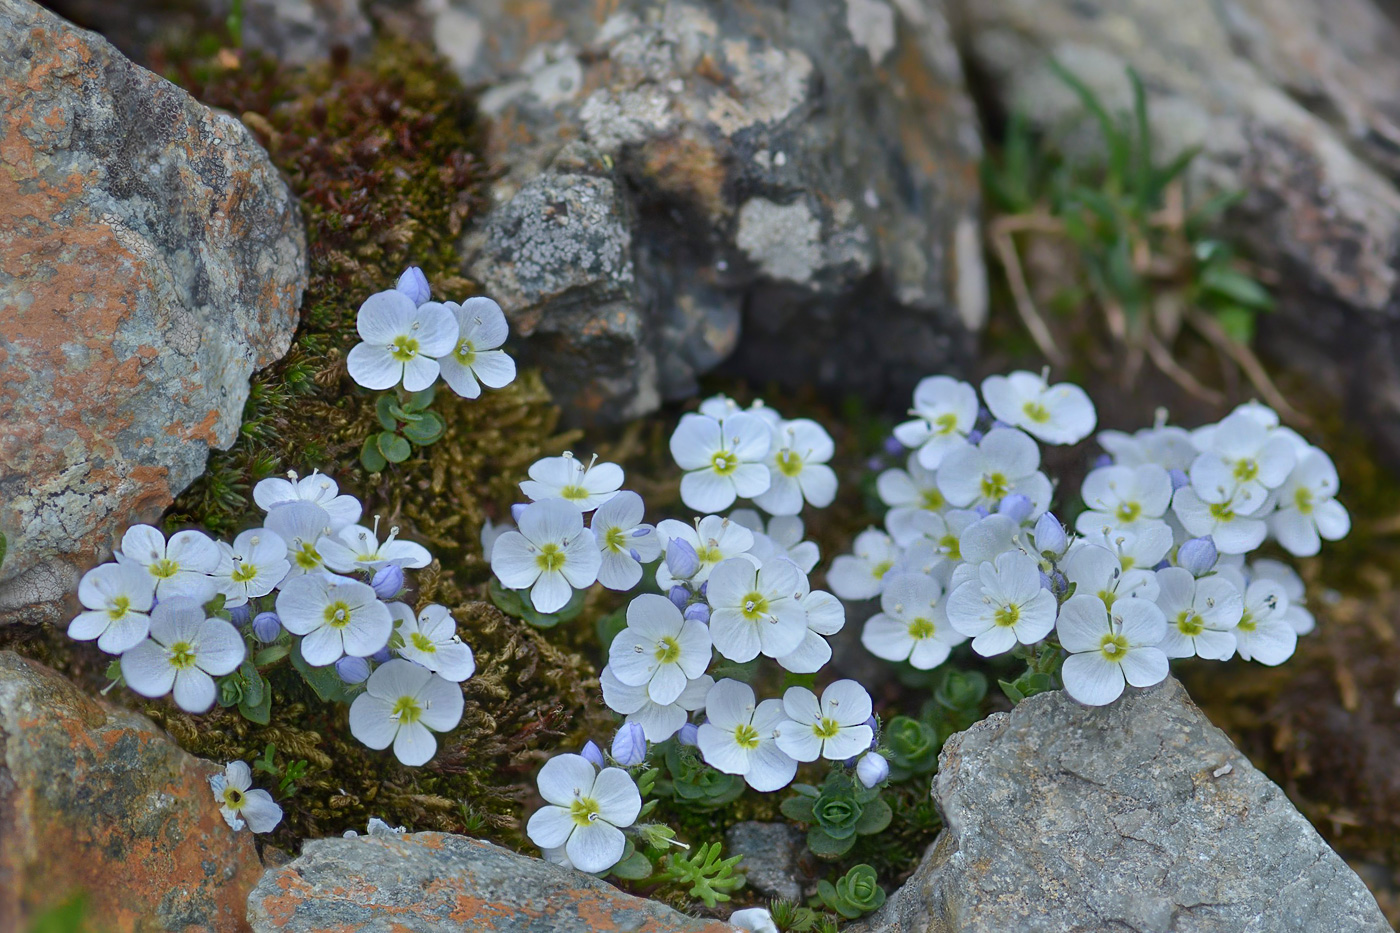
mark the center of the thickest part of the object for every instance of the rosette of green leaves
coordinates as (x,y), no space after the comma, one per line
(692,782)
(838,812)
(707,877)
(854,894)
(913,746)
(406,420)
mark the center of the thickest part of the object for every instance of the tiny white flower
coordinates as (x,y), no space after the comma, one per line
(1264,632)
(477,357)
(303,526)
(552,554)
(1168,447)
(859,575)
(341,510)
(1004,605)
(757,610)
(911,494)
(780,537)
(431,640)
(1204,438)
(1140,549)
(659,649)
(1004,461)
(185,652)
(753,919)
(1124,498)
(1098,571)
(1201,614)
(834,727)
(400,342)
(117,599)
(912,625)
(623,540)
(945,411)
(403,705)
(1058,414)
(719,407)
(357,548)
(335,616)
(1307,511)
(239,804)
(722,461)
(1108,649)
(825,616)
(739,736)
(714,539)
(797,468)
(658,721)
(1297,614)
(181,567)
(250,567)
(564,477)
(584,811)
(1243,453)
(1226,514)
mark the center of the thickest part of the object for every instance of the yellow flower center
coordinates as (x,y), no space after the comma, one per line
(932,499)
(950,546)
(945,423)
(1007,615)
(882,568)
(668,650)
(826,728)
(746,736)
(337,614)
(421,642)
(406,710)
(1247,622)
(182,655)
(244,572)
(164,568)
(1221,512)
(1303,499)
(1246,470)
(404,348)
(615,540)
(574,493)
(550,558)
(709,555)
(1108,596)
(1128,511)
(233,798)
(789,463)
(119,608)
(1036,412)
(1113,647)
(584,810)
(995,486)
(307,558)
(465,353)
(724,462)
(755,606)
(1189,624)
(919,629)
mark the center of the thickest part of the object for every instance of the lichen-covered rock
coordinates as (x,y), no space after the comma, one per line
(803,173)
(771,854)
(1139,816)
(440,883)
(150,259)
(97,799)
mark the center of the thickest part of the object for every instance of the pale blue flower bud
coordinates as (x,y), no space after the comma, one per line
(689,734)
(593,754)
(414,284)
(974,437)
(893,447)
(1050,536)
(352,670)
(1016,507)
(1179,479)
(380,656)
(1046,583)
(679,596)
(388,581)
(241,615)
(681,559)
(1101,461)
(629,746)
(266,627)
(518,510)
(874,463)
(1198,556)
(873,769)
(698,612)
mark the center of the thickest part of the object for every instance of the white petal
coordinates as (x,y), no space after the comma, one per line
(617,796)
(373,366)
(707,491)
(550,826)
(1092,679)
(370,722)
(261,811)
(414,744)
(695,441)
(565,777)
(146,670)
(595,847)
(194,690)
(1143,667)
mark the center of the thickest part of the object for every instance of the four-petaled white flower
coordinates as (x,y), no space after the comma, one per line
(860,575)
(1004,462)
(181,567)
(403,705)
(1058,414)
(739,736)
(1110,648)
(1098,571)
(117,599)
(341,510)
(659,649)
(1228,515)
(401,341)
(357,548)
(335,617)
(757,610)
(911,625)
(552,554)
(584,811)
(797,468)
(836,727)
(944,412)
(1244,453)
(1141,549)
(623,540)
(911,494)
(240,804)
(564,477)
(1264,632)
(714,540)
(659,721)
(431,640)
(185,652)
(825,616)
(780,537)
(722,461)
(476,359)
(1124,498)
(250,567)
(1003,605)
(303,525)
(1297,614)
(1201,614)
(1307,509)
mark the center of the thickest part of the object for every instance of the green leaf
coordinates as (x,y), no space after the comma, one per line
(393,447)
(634,868)
(1238,323)
(259,712)
(1011,691)
(384,411)
(4,548)
(1236,286)
(114,670)
(322,680)
(824,845)
(876,817)
(425,428)
(420,400)
(254,687)
(798,809)
(370,457)
(271,655)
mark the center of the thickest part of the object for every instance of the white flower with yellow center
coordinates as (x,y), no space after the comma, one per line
(912,494)
(834,728)
(860,575)
(714,540)
(723,461)
(180,567)
(586,486)
(551,554)
(1297,614)
(1098,571)
(335,617)
(242,805)
(659,649)
(623,540)
(303,526)
(757,611)
(319,489)
(403,705)
(250,567)
(431,640)
(117,599)
(659,721)
(797,468)
(1058,414)
(358,548)
(184,653)
(401,341)
(1231,517)
(584,811)
(911,624)
(1110,648)
(945,411)
(1004,462)
(1264,632)
(1201,614)
(781,536)
(739,736)
(1307,509)
(1140,549)
(1124,498)
(477,358)
(825,617)
(1004,605)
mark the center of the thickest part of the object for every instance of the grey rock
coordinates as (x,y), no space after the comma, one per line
(150,259)
(440,883)
(1139,816)
(771,853)
(789,184)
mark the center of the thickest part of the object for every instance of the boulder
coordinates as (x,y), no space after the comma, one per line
(792,185)
(441,883)
(772,853)
(97,799)
(150,259)
(1137,816)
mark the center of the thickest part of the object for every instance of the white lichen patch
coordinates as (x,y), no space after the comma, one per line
(783,239)
(871,24)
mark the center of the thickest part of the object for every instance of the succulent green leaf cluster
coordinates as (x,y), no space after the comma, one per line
(838,813)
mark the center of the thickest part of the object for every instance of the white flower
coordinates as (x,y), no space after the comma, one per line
(584,811)
(825,616)
(552,554)
(1059,414)
(400,342)
(658,721)
(835,728)
(476,355)
(1201,614)
(714,539)
(335,616)
(739,736)
(358,548)
(757,610)
(859,575)
(181,567)
(722,461)
(250,567)
(1168,447)
(911,625)
(302,525)
(1264,632)
(1307,510)
(781,537)
(659,649)
(1226,514)
(239,804)
(432,641)
(797,468)
(564,477)
(341,510)
(401,703)
(183,651)
(1140,549)
(1004,462)
(753,919)
(1124,498)
(1098,571)
(623,540)
(1288,580)
(118,600)
(1243,453)
(944,411)
(1003,605)
(1108,649)
(912,495)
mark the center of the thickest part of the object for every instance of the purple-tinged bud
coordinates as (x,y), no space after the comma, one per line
(873,723)
(1198,556)
(352,670)
(679,596)
(381,656)
(982,511)
(593,754)
(266,627)
(1179,479)
(1162,564)
(698,612)
(1046,583)
(873,769)
(1101,461)
(629,746)
(681,559)
(974,437)
(874,463)
(704,591)
(1050,537)
(517,510)
(1016,507)
(414,284)
(689,734)
(388,581)
(893,447)
(241,615)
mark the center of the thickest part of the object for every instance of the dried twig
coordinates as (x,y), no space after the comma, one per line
(1245,359)
(1021,295)
(1161,358)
